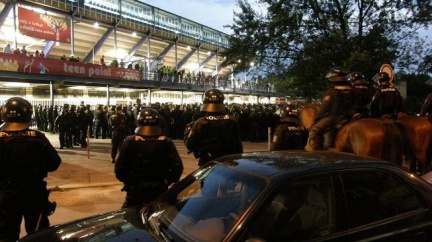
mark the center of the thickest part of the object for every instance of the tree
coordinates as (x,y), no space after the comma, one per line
(417,90)
(297,41)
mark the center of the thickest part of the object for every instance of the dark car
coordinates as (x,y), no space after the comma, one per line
(273,196)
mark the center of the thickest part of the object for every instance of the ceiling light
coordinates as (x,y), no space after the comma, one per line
(96,25)
(134,34)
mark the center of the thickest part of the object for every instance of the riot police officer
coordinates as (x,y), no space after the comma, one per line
(118,131)
(148,161)
(336,109)
(289,134)
(361,93)
(387,101)
(84,121)
(64,123)
(216,133)
(26,157)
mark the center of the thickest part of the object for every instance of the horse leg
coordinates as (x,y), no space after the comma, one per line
(317,132)
(393,147)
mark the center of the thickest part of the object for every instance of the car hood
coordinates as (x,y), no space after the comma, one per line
(121,225)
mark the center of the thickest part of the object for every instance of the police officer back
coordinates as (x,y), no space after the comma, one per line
(289,134)
(118,131)
(387,101)
(26,157)
(216,133)
(337,108)
(148,161)
(361,94)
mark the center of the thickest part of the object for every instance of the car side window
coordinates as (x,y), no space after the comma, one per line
(299,210)
(373,195)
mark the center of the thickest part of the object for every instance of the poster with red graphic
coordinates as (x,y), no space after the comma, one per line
(43,26)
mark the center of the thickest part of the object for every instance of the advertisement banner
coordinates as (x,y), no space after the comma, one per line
(43,26)
(40,65)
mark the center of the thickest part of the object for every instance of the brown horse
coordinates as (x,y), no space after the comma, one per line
(418,131)
(367,137)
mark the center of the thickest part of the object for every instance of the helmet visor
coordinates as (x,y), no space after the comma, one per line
(213,108)
(148,130)
(14,126)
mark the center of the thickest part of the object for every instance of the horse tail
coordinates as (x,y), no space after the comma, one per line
(393,147)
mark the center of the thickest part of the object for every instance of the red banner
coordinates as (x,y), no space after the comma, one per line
(44,26)
(40,65)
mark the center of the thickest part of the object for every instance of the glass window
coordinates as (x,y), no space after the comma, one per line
(300,210)
(373,195)
(206,205)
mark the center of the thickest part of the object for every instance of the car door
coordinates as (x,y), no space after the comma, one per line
(381,206)
(300,209)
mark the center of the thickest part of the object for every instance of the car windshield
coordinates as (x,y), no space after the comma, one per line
(205,205)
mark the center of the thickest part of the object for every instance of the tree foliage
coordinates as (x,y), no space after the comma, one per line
(295,42)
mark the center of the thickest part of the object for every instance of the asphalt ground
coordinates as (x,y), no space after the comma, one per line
(85,183)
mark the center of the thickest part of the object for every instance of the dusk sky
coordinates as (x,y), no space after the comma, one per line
(212,13)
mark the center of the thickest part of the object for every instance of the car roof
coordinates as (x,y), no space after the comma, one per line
(268,163)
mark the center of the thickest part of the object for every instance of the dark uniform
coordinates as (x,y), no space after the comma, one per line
(26,157)
(64,123)
(214,135)
(101,123)
(361,93)
(148,161)
(75,132)
(336,110)
(387,101)
(84,121)
(90,113)
(50,118)
(289,134)
(118,131)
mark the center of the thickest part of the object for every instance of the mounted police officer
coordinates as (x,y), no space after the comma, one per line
(387,101)
(336,110)
(148,161)
(26,157)
(289,134)
(362,95)
(216,133)
(119,131)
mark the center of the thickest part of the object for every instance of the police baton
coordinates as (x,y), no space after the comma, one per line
(47,210)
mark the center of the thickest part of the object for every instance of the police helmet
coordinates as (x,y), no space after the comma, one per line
(336,74)
(382,78)
(357,78)
(288,111)
(16,114)
(148,123)
(213,101)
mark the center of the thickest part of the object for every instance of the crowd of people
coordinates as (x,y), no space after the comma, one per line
(71,122)
(23,51)
(165,73)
